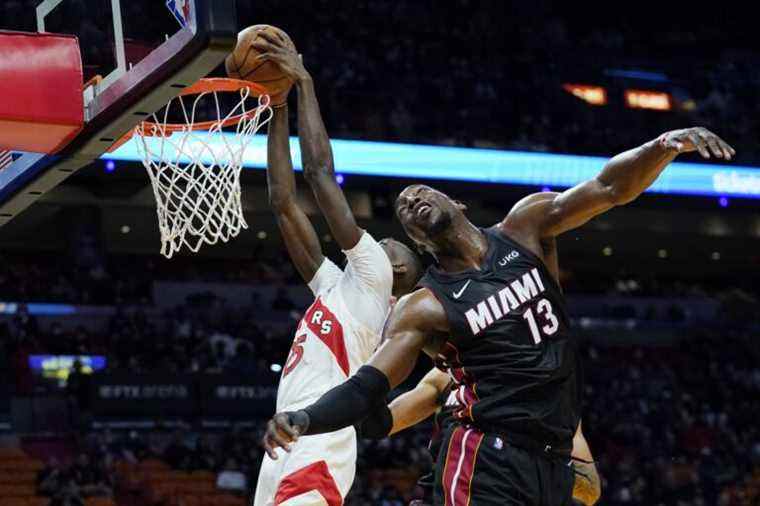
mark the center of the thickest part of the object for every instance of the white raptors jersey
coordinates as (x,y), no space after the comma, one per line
(342,328)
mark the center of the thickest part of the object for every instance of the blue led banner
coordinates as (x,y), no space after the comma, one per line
(412,161)
(37,309)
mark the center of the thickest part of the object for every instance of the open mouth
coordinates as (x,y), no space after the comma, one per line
(422,209)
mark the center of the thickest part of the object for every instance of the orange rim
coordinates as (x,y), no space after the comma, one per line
(223,84)
(208,85)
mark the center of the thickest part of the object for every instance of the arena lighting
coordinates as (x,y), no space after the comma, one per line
(411,161)
(638,74)
(644,99)
(594,95)
(38,309)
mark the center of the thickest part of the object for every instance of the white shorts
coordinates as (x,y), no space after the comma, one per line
(318,471)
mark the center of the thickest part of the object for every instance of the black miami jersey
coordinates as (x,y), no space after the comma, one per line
(510,347)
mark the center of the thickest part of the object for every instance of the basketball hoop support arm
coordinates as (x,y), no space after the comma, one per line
(47,7)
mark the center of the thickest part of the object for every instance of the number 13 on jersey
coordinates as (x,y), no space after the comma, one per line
(549,323)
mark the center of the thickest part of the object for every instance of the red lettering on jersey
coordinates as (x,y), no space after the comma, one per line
(326,327)
(296,354)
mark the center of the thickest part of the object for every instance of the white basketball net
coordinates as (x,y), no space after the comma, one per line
(195,174)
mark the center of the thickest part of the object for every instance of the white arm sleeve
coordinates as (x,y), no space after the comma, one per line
(368,280)
(326,277)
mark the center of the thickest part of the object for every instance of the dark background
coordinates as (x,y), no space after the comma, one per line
(669,339)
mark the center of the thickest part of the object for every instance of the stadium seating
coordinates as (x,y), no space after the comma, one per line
(37,501)
(18,473)
(99,501)
(158,485)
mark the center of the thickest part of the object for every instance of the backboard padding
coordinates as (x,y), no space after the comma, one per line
(187,56)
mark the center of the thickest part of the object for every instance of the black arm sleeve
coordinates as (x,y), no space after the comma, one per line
(378,424)
(349,403)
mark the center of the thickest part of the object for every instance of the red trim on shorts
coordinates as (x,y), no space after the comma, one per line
(315,476)
(460,464)
(331,334)
(470,469)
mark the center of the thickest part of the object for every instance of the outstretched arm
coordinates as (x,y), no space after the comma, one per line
(316,152)
(297,231)
(415,321)
(624,178)
(416,405)
(408,409)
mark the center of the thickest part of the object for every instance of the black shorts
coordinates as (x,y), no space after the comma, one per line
(477,469)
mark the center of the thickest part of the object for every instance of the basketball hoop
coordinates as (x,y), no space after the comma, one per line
(194,169)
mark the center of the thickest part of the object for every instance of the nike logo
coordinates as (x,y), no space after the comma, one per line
(460,292)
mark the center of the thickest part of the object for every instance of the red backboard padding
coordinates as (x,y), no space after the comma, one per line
(41,104)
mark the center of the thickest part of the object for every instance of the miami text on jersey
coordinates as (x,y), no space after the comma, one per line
(512,296)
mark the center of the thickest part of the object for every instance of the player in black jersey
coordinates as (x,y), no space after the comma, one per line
(439,396)
(491,311)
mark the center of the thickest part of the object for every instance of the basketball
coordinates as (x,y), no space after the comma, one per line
(242,62)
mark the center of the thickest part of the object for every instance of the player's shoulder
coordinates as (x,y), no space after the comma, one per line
(366,241)
(419,298)
(368,265)
(420,308)
(528,206)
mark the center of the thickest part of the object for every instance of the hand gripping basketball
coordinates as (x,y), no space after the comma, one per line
(245,62)
(283,53)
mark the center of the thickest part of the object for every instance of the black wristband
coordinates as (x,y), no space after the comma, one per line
(378,424)
(348,403)
(299,420)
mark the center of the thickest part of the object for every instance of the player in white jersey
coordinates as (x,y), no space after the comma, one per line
(342,328)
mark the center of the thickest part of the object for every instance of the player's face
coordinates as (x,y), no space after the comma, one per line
(424,212)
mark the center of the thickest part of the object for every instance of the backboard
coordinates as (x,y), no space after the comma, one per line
(144,52)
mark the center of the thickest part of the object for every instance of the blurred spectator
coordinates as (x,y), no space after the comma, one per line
(282,301)
(231,477)
(68,495)
(78,385)
(91,478)
(50,478)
